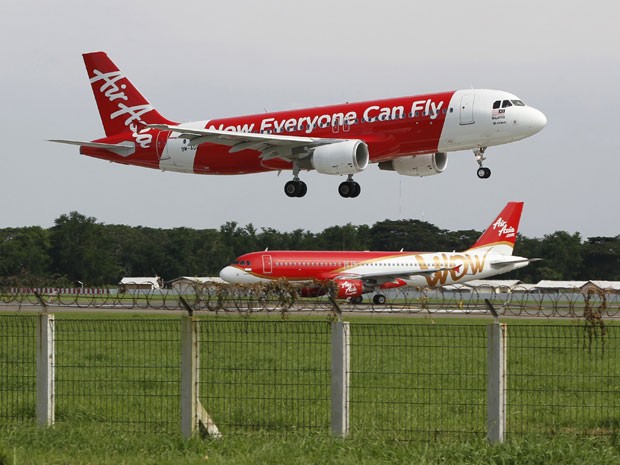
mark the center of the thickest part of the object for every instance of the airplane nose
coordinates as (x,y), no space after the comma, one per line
(229,273)
(537,120)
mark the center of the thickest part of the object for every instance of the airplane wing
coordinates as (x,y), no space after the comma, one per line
(380,277)
(123,149)
(270,145)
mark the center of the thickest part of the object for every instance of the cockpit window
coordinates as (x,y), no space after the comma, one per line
(518,103)
(497,104)
(506,103)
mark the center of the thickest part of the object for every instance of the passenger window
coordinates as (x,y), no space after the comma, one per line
(506,103)
(496,104)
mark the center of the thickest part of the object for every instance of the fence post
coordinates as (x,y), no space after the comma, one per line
(45,369)
(189,375)
(340,378)
(496,389)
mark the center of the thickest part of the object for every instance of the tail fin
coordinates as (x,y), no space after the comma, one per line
(121,106)
(500,236)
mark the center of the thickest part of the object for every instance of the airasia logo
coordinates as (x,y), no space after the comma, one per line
(349,288)
(502,228)
(114,92)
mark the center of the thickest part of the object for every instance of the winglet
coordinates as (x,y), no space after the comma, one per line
(501,234)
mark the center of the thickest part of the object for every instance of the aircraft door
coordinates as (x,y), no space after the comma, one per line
(467,109)
(267,264)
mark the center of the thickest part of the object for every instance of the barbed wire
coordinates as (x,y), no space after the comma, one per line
(286,297)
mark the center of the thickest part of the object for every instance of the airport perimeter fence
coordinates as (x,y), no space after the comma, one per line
(415,380)
(284,297)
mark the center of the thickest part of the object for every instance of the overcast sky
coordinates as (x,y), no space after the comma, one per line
(197,60)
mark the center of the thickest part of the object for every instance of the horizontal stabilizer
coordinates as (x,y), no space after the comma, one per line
(124,149)
(507,261)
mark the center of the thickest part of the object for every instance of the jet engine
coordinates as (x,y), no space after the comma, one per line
(349,288)
(314,290)
(417,165)
(348,157)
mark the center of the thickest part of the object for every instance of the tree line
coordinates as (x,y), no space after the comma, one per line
(80,249)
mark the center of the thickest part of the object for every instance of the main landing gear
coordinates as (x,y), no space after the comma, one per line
(295,188)
(482,172)
(377,299)
(298,188)
(349,188)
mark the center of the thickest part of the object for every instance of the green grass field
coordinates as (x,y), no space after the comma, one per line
(82,445)
(414,381)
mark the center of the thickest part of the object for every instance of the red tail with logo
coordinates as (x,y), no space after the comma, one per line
(121,106)
(502,233)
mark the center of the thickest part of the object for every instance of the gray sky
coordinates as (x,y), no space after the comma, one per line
(201,60)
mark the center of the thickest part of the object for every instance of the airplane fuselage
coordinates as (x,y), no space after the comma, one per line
(391,128)
(309,266)
(409,135)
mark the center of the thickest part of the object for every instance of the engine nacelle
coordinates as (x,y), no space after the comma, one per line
(313,291)
(348,157)
(349,288)
(393,284)
(418,165)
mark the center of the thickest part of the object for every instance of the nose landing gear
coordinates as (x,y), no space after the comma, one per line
(482,172)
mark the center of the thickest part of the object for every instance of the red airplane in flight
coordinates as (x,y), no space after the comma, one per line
(410,135)
(358,273)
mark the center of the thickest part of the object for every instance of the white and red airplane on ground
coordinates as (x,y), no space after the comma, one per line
(357,273)
(409,135)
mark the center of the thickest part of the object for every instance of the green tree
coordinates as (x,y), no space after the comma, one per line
(347,237)
(561,252)
(82,250)
(24,251)
(412,235)
(601,258)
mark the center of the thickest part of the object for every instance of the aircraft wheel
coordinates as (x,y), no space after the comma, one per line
(290,189)
(356,300)
(349,189)
(482,173)
(303,188)
(487,173)
(344,189)
(295,188)
(378,299)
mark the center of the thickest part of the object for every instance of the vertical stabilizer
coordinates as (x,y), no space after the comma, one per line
(121,106)
(499,238)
